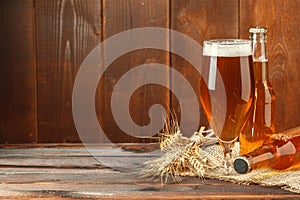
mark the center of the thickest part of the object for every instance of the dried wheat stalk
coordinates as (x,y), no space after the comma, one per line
(182,156)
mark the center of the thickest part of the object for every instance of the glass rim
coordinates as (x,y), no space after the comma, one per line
(227,47)
(226,42)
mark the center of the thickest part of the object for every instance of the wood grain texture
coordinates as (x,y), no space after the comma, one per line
(66,32)
(55,173)
(119,16)
(201,20)
(43,43)
(18,121)
(280,18)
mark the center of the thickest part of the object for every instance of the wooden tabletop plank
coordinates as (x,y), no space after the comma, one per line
(70,173)
(112,183)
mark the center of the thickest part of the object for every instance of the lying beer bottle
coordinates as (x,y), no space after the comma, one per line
(261,122)
(279,152)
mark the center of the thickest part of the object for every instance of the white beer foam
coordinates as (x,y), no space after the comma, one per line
(227,48)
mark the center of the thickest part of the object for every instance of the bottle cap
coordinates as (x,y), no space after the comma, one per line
(241,165)
(258,30)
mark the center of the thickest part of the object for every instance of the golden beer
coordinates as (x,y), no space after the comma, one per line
(227,86)
(261,123)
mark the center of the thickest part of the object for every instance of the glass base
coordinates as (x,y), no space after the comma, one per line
(228,161)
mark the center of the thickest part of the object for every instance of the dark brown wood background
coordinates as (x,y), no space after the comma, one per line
(43,43)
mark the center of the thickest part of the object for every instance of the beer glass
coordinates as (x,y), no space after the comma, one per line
(227,89)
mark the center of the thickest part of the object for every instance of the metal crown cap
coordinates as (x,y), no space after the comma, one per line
(258,30)
(241,165)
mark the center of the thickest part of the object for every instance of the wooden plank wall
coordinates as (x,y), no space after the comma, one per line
(43,43)
(18,102)
(66,32)
(118,16)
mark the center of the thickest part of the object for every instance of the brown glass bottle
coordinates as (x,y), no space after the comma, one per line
(261,123)
(280,151)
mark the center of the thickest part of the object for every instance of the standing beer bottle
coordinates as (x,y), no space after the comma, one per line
(279,152)
(261,123)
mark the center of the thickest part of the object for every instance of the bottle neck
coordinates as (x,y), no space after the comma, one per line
(261,72)
(279,152)
(260,58)
(259,47)
(258,158)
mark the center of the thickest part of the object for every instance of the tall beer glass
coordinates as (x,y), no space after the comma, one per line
(227,89)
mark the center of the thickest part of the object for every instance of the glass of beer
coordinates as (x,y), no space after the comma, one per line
(227,89)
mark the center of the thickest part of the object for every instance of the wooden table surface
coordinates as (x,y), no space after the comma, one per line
(71,172)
